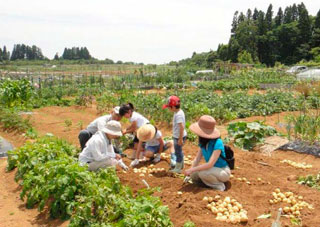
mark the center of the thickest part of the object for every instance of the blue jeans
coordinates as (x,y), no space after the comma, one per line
(155,149)
(178,149)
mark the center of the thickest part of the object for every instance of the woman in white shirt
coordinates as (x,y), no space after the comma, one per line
(136,119)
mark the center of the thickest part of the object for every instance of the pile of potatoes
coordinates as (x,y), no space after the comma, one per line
(227,210)
(302,165)
(188,160)
(165,156)
(146,170)
(295,202)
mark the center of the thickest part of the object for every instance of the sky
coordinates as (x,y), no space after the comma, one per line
(145,31)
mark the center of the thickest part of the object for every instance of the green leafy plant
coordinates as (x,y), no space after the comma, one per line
(312,181)
(15,92)
(51,176)
(68,124)
(31,133)
(189,224)
(246,135)
(305,127)
(80,124)
(10,120)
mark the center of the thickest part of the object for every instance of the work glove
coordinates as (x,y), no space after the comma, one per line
(122,165)
(134,162)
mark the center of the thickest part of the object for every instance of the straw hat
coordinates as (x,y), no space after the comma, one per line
(146,132)
(113,128)
(205,127)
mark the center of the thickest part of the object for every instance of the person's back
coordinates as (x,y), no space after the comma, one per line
(98,148)
(98,123)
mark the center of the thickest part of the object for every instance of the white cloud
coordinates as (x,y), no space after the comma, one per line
(142,31)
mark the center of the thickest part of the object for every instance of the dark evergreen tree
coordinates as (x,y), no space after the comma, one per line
(294,12)
(234,23)
(241,18)
(269,15)
(315,39)
(279,18)
(255,14)
(287,18)
(249,14)
(56,56)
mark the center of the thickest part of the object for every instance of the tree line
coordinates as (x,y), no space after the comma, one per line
(287,37)
(25,52)
(74,53)
(4,54)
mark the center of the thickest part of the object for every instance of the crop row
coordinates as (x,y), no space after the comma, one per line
(51,177)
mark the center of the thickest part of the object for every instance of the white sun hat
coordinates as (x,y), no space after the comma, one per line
(113,128)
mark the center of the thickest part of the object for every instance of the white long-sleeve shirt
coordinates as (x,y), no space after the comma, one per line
(98,123)
(98,148)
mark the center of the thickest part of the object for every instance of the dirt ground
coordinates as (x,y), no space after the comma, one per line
(188,206)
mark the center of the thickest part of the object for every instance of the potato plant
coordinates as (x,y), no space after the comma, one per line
(246,135)
(51,176)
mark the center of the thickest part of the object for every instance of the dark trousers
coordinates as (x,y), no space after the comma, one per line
(84,136)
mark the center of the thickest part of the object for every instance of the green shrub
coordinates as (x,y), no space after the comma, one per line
(247,135)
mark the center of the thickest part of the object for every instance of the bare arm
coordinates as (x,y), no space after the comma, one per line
(139,149)
(197,159)
(181,127)
(214,157)
(131,128)
(161,144)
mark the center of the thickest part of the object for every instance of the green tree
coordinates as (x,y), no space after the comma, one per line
(315,39)
(56,56)
(223,52)
(279,18)
(245,57)
(269,15)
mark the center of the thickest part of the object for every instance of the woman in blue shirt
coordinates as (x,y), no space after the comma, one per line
(215,171)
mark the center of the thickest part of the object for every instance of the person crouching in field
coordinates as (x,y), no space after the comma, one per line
(98,152)
(136,119)
(97,125)
(215,172)
(154,144)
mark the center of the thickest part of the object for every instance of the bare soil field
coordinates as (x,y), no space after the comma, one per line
(186,206)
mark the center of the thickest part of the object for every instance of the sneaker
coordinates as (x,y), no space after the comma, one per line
(157,158)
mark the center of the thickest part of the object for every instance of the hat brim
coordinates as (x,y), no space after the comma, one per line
(146,138)
(204,133)
(165,106)
(105,130)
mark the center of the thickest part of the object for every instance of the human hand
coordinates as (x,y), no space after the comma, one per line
(118,157)
(134,163)
(180,142)
(122,165)
(188,172)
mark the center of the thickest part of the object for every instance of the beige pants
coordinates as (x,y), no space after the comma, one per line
(213,177)
(94,166)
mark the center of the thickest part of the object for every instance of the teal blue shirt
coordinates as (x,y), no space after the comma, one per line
(207,152)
